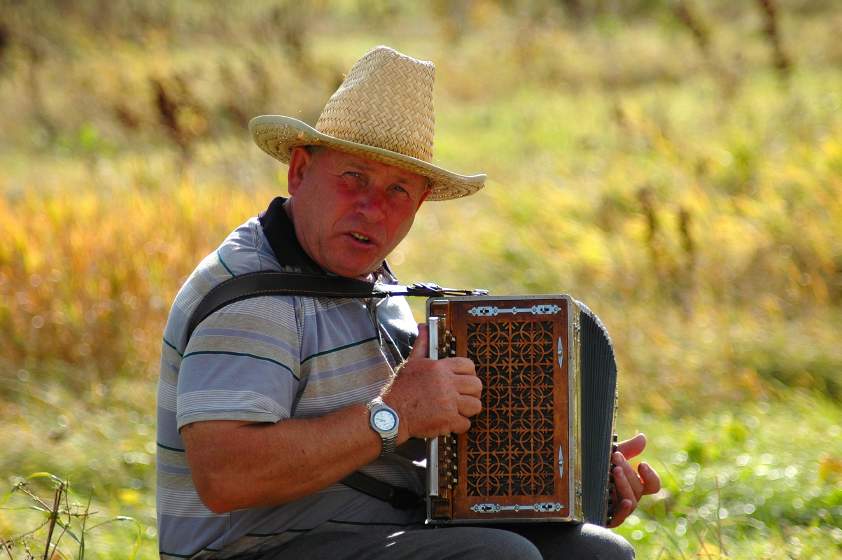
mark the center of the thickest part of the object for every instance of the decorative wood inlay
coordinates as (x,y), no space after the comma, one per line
(510,445)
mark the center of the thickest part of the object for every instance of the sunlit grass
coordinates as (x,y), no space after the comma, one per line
(760,480)
(103,447)
(745,481)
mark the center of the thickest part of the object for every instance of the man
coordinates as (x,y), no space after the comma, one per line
(268,405)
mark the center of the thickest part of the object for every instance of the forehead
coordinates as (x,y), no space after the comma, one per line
(336,158)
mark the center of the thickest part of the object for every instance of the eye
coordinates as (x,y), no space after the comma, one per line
(354,179)
(400,190)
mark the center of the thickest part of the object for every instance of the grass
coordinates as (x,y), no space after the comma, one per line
(59,518)
(758,480)
(755,481)
(104,450)
(693,203)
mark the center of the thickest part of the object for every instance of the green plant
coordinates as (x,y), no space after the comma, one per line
(52,519)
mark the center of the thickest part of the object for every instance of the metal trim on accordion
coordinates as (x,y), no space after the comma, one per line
(540,450)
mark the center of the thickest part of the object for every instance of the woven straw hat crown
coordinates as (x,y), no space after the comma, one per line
(383,111)
(385,101)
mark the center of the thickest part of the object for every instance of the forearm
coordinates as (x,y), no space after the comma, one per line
(239,465)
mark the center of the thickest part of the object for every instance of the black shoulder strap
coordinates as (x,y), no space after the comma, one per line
(257,284)
(268,283)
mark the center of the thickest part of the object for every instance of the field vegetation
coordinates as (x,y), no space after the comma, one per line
(676,164)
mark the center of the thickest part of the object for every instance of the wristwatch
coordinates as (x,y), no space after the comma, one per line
(384,420)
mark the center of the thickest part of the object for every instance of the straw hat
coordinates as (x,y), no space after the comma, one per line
(382,111)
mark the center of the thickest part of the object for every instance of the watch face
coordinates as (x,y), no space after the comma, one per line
(384,420)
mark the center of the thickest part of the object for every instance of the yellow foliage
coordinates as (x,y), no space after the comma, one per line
(129,496)
(830,469)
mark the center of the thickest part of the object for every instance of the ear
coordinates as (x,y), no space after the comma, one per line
(298,163)
(423,198)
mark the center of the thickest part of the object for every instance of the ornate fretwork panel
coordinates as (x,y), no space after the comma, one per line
(510,444)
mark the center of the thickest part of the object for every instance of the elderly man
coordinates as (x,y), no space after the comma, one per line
(267,407)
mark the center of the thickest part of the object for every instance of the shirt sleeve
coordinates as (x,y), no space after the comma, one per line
(242,363)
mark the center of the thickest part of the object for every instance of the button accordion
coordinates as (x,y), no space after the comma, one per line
(540,450)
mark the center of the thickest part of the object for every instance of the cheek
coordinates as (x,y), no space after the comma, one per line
(400,227)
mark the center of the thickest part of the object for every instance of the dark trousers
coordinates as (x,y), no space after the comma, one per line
(418,542)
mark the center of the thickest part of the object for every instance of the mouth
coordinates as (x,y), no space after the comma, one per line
(359,237)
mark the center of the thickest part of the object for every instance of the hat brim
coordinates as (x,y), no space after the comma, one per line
(277,135)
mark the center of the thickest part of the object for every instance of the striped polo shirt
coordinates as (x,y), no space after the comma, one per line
(266,359)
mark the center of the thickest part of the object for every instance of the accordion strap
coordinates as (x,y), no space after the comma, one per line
(269,283)
(397,496)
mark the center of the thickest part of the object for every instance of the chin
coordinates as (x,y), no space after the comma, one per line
(350,264)
(352,272)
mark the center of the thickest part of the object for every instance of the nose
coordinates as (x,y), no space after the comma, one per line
(371,204)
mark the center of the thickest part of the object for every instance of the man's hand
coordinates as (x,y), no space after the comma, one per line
(630,486)
(434,397)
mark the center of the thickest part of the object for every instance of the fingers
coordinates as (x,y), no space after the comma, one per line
(624,496)
(468,385)
(468,406)
(630,486)
(627,487)
(621,512)
(625,471)
(644,481)
(460,366)
(460,426)
(632,447)
(651,480)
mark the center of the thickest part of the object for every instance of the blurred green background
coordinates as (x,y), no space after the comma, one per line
(675,164)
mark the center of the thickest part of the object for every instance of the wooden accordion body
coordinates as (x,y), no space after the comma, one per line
(540,449)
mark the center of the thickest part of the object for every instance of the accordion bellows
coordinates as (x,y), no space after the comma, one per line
(540,449)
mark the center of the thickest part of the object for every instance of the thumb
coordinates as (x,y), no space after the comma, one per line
(422,343)
(632,447)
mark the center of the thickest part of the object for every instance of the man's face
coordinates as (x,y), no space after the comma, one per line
(350,212)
